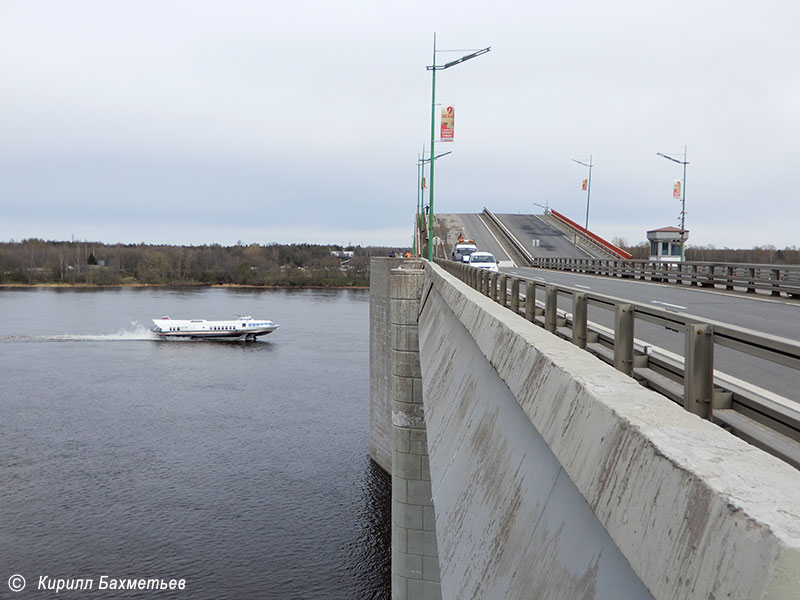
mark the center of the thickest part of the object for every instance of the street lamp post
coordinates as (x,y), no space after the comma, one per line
(433,68)
(545,206)
(420,182)
(683,162)
(588,187)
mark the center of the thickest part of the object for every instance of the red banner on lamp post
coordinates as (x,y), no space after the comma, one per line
(448,122)
(676,189)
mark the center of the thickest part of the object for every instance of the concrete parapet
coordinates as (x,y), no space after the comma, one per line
(556,476)
(415,562)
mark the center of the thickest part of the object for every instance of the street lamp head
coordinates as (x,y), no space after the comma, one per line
(458,61)
(467,57)
(680,162)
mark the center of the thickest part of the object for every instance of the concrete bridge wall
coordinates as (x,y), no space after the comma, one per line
(380,362)
(555,476)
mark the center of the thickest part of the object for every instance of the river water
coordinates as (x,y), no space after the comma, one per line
(241,468)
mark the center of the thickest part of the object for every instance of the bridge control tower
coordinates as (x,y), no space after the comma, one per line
(666,243)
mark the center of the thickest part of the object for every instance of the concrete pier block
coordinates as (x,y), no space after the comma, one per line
(380,362)
(415,559)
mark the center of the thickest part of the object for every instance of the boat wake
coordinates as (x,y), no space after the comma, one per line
(136,332)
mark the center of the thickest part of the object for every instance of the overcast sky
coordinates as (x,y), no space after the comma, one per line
(193,122)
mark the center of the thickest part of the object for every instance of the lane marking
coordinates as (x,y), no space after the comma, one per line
(668,304)
(499,245)
(585,287)
(732,295)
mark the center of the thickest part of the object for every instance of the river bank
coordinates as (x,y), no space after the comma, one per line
(72,286)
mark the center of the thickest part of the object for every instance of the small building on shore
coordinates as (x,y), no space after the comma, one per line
(665,243)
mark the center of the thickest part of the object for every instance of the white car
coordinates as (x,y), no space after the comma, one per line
(462,250)
(483,260)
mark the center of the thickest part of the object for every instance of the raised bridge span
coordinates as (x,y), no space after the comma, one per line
(523,466)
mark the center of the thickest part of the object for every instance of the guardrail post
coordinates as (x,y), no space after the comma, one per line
(623,338)
(658,270)
(729,276)
(695,275)
(776,277)
(712,276)
(515,295)
(751,283)
(503,298)
(530,300)
(579,319)
(550,307)
(493,286)
(698,368)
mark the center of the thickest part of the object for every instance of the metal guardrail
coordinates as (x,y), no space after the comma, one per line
(591,239)
(766,420)
(776,279)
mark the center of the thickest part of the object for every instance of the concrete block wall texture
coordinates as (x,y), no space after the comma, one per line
(510,522)
(415,562)
(635,489)
(380,362)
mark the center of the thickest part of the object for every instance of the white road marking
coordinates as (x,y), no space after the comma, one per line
(585,287)
(668,304)
(480,218)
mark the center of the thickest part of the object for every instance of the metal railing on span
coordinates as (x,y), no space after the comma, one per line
(765,419)
(777,280)
(593,238)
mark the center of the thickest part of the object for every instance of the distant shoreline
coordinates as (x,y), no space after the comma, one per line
(181,285)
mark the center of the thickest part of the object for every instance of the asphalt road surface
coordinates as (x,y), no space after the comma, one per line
(473,227)
(552,242)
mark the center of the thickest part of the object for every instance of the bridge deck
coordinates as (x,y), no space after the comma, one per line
(552,242)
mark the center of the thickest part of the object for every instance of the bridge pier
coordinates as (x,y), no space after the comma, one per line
(415,561)
(555,475)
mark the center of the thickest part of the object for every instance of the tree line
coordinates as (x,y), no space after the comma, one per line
(35,261)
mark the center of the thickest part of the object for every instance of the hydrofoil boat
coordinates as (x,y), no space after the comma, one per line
(243,327)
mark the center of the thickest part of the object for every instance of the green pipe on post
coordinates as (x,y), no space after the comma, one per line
(433,134)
